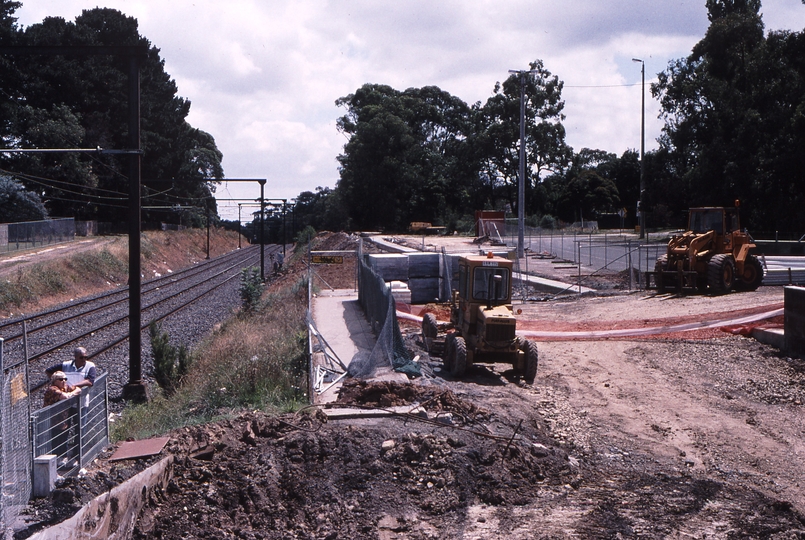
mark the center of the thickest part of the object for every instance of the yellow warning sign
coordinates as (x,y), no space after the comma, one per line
(328,259)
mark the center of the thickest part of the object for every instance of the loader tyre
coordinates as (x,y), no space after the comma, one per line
(531,361)
(660,266)
(721,273)
(752,277)
(459,357)
(429,327)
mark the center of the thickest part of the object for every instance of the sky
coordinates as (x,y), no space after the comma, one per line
(263,76)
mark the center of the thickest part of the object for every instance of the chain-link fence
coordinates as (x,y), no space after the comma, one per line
(15,411)
(74,429)
(600,250)
(380,309)
(30,234)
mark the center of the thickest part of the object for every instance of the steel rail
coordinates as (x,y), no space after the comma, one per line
(126,317)
(157,282)
(107,305)
(111,345)
(104,348)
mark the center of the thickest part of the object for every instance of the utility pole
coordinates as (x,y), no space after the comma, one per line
(521,179)
(284,235)
(262,182)
(208,231)
(262,231)
(641,197)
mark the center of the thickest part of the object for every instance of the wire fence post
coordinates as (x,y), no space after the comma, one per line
(579,267)
(629,261)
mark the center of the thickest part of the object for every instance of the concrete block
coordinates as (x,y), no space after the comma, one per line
(794,302)
(770,336)
(400,291)
(389,266)
(45,475)
(423,265)
(424,290)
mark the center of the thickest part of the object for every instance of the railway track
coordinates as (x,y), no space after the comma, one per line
(188,303)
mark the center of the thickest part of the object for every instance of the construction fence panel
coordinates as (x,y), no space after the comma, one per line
(75,429)
(379,306)
(16,443)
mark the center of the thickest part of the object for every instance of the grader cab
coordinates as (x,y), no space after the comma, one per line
(482,324)
(713,254)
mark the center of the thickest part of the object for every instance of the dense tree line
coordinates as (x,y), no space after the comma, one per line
(733,112)
(67,101)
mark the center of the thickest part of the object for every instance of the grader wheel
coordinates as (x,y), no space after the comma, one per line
(449,352)
(531,361)
(458,357)
(429,326)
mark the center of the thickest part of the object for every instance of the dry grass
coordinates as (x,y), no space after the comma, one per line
(256,360)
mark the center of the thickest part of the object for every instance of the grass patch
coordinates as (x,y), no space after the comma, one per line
(102,263)
(257,360)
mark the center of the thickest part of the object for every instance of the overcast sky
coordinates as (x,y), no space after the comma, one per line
(263,75)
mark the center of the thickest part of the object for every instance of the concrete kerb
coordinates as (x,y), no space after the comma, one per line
(113,515)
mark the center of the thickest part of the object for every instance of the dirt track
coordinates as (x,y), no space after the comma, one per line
(695,435)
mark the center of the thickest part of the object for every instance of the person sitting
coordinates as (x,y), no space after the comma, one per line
(59,389)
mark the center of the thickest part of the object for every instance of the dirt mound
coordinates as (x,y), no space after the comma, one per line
(293,477)
(330,241)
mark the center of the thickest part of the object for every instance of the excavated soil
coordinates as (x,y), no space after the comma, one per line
(681,435)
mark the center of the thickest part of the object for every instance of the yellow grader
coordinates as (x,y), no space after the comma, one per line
(482,324)
(713,254)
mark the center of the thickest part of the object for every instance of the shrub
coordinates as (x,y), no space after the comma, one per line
(304,236)
(548,222)
(171,364)
(251,288)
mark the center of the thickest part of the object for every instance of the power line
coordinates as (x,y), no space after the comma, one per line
(599,85)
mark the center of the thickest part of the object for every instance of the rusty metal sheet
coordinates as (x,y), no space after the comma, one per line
(138,449)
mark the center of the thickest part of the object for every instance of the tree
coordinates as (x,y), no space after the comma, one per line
(81,102)
(17,204)
(402,161)
(585,191)
(499,140)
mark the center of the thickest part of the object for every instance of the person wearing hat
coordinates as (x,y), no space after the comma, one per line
(80,365)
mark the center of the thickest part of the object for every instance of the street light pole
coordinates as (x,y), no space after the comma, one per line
(641,196)
(284,235)
(521,180)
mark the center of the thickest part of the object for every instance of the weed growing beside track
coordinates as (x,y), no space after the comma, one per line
(256,360)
